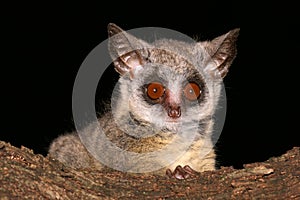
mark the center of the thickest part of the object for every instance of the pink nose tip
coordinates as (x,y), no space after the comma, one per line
(174,112)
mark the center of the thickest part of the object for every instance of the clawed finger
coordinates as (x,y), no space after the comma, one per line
(180,172)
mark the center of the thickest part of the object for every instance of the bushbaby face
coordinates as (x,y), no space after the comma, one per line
(168,84)
(164,98)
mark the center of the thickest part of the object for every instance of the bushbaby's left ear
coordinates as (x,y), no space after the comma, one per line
(126,50)
(222,51)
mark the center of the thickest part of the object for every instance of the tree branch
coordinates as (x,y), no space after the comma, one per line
(24,174)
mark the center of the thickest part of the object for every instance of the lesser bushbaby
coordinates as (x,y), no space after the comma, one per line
(167,93)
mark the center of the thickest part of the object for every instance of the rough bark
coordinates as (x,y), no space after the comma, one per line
(25,175)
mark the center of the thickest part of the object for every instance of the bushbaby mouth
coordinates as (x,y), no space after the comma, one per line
(173,121)
(167,124)
(172,125)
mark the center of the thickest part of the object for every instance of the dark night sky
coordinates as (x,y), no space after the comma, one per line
(43,46)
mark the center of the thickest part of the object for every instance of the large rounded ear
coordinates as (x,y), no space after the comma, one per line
(126,50)
(222,51)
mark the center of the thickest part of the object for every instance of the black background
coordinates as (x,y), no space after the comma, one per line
(44,44)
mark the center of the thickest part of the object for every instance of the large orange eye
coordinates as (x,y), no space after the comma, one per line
(155,90)
(192,91)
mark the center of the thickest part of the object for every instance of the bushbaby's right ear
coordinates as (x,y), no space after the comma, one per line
(126,50)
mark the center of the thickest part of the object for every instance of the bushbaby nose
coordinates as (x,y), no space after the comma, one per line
(174,111)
